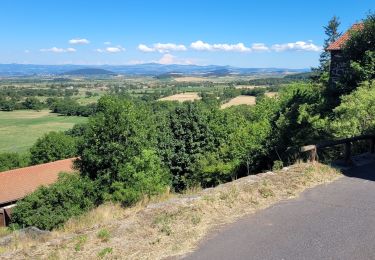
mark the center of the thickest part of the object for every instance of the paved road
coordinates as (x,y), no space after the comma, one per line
(334,221)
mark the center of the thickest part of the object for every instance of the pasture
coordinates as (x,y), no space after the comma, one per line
(21,128)
(240,100)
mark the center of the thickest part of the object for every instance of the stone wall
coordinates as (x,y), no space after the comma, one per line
(338,67)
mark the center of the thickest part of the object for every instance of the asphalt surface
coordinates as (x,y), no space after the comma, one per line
(332,221)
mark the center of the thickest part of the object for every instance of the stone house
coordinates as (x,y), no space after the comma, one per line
(338,65)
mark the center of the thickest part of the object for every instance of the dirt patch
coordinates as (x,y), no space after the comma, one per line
(189,96)
(240,100)
(175,224)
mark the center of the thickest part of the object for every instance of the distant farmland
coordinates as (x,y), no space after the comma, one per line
(190,96)
(240,100)
(20,129)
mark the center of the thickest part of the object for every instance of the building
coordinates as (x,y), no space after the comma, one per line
(16,184)
(338,65)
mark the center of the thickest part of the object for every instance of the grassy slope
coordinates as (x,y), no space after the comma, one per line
(174,225)
(20,129)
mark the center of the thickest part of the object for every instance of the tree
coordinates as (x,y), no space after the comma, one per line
(32,103)
(186,136)
(53,146)
(8,105)
(118,132)
(332,33)
(359,52)
(356,113)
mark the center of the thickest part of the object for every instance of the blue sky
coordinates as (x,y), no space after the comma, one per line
(272,33)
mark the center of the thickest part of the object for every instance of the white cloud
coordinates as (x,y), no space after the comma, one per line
(112,49)
(145,48)
(26,51)
(296,46)
(203,46)
(79,41)
(162,47)
(107,43)
(58,50)
(259,47)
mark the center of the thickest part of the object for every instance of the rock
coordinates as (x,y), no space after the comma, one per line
(29,232)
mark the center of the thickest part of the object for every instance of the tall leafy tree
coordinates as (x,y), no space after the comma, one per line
(186,137)
(119,131)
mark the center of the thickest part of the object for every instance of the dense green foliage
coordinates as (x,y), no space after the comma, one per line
(10,161)
(49,207)
(356,113)
(142,176)
(52,147)
(118,132)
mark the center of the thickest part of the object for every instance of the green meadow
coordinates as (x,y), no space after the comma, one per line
(21,128)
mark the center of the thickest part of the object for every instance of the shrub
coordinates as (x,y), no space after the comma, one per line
(104,235)
(277,165)
(49,207)
(53,146)
(143,176)
(10,161)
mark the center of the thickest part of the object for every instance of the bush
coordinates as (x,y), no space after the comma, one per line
(356,113)
(277,165)
(140,177)
(49,207)
(10,161)
(53,146)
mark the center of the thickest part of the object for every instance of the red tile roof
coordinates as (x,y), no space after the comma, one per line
(16,184)
(340,42)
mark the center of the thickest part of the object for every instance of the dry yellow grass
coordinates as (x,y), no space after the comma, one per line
(21,114)
(248,86)
(190,79)
(271,94)
(240,100)
(173,226)
(188,96)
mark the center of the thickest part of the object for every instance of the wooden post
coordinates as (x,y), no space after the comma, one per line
(313,155)
(372,145)
(348,152)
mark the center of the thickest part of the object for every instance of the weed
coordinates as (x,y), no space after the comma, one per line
(103,235)
(105,252)
(163,221)
(195,219)
(266,192)
(277,165)
(81,240)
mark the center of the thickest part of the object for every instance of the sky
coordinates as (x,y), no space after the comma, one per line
(248,33)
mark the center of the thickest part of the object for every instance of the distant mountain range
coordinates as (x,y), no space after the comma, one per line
(149,69)
(89,72)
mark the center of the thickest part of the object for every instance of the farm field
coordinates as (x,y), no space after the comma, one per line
(20,129)
(191,96)
(240,100)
